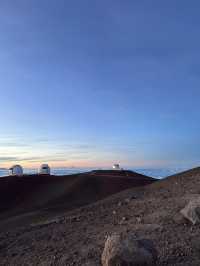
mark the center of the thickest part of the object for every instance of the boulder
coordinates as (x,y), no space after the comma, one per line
(192,211)
(126,250)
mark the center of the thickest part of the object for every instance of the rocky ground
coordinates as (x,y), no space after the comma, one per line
(78,237)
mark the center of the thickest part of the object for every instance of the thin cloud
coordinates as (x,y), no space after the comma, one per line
(7,159)
(13,144)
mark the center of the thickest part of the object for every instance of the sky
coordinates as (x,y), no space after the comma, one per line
(92,83)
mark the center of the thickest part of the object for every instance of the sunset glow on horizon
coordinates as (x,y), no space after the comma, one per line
(97,83)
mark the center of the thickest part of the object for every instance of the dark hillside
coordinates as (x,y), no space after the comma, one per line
(58,194)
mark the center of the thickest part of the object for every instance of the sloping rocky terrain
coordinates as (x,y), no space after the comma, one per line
(30,198)
(77,237)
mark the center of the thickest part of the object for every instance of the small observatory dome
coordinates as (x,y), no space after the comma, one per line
(16,170)
(116,167)
(44,169)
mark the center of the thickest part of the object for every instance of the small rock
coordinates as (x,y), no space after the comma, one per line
(123,220)
(119,204)
(114,212)
(127,200)
(75,218)
(139,219)
(133,197)
(126,250)
(192,211)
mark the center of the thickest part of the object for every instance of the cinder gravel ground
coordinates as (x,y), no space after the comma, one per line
(78,237)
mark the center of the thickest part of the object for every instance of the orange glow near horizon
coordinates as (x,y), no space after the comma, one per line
(84,164)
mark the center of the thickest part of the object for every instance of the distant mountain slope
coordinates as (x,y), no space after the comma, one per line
(184,182)
(31,193)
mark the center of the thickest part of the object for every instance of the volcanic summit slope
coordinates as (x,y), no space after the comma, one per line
(78,237)
(29,198)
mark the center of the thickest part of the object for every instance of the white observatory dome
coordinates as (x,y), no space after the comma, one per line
(116,167)
(44,169)
(16,170)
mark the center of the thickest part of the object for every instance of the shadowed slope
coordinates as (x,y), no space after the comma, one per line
(31,193)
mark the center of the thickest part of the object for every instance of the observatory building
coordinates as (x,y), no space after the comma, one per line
(116,167)
(44,169)
(16,170)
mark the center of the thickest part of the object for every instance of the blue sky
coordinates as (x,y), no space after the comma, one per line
(91,83)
